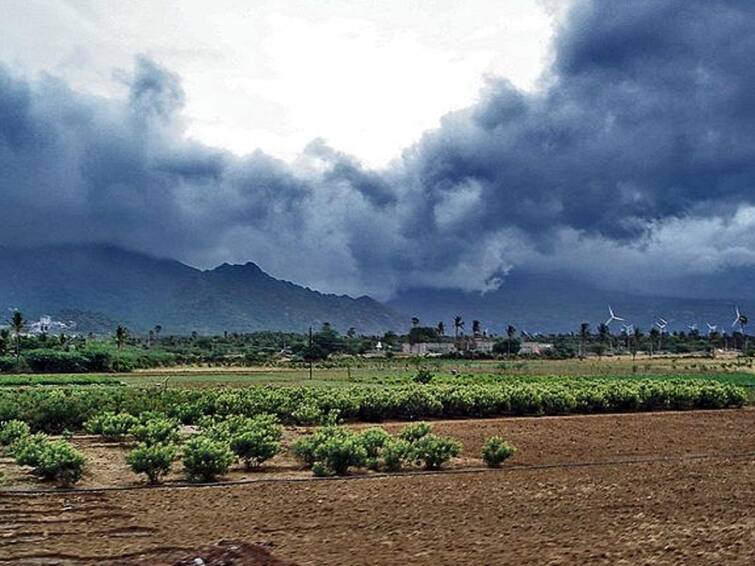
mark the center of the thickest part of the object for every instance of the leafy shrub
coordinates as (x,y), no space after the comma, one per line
(340,452)
(113,426)
(393,454)
(423,376)
(433,451)
(373,440)
(157,430)
(413,432)
(154,460)
(257,441)
(204,459)
(61,462)
(12,431)
(28,449)
(305,448)
(496,450)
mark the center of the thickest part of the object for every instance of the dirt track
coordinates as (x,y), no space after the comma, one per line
(682,509)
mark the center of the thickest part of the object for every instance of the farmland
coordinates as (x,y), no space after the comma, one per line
(653,490)
(619,448)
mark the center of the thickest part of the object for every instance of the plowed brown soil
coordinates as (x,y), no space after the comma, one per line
(673,488)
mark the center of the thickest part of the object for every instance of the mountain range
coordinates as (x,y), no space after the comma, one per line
(100,286)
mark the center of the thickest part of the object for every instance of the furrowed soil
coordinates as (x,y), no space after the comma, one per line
(661,488)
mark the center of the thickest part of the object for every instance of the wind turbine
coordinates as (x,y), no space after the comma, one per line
(662,324)
(742,321)
(712,328)
(613,317)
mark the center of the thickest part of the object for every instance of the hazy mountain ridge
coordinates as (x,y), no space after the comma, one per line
(142,291)
(556,302)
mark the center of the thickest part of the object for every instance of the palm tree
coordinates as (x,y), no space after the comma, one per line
(510,333)
(458,325)
(584,334)
(17,325)
(415,322)
(441,329)
(121,335)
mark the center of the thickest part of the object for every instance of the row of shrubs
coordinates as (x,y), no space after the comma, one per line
(55,460)
(44,360)
(68,408)
(330,450)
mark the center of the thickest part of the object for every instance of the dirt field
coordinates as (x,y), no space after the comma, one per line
(666,488)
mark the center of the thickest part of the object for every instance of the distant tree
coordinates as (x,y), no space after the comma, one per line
(441,329)
(476,327)
(654,334)
(584,336)
(351,332)
(324,343)
(415,322)
(458,325)
(390,339)
(121,335)
(422,334)
(635,344)
(510,333)
(17,325)
(507,346)
(604,338)
(4,340)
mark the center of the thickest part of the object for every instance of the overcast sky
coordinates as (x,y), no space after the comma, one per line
(286,72)
(364,147)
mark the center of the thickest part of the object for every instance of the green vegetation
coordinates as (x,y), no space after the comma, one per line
(432,451)
(113,426)
(205,459)
(495,451)
(12,431)
(70,407)
(60,461)
(153,460)
(34,380)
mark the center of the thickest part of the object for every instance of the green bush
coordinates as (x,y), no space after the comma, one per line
(373,440)
(157,430)
(154,460)
(394,453)
(12,431)
(433,451)
(61,462)
(495,451)
(341,452)
(305,448)
(413,432)
(205,459)
(113,426)
(28,449)
(257,441)
(423,376)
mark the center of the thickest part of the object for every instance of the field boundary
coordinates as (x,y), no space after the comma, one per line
(384,475)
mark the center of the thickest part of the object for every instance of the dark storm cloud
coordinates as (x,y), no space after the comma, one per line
(641,139)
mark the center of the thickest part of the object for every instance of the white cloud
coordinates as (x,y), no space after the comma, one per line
(368,77)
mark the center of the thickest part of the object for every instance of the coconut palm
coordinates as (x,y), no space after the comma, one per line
(458,325)
(121,335)
(17,325)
